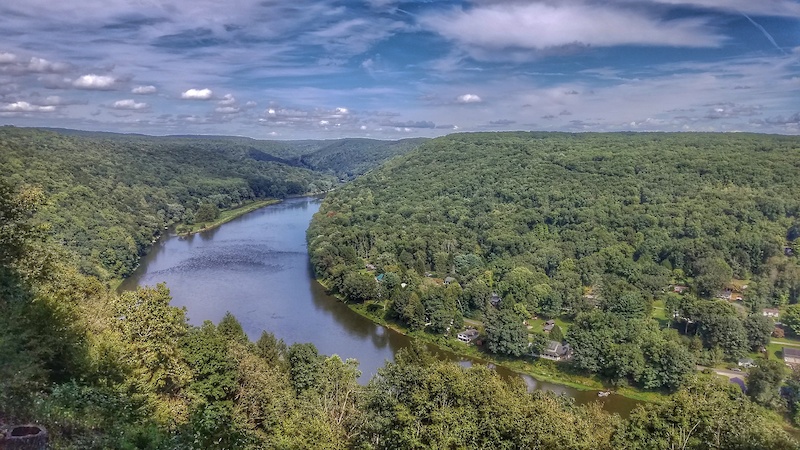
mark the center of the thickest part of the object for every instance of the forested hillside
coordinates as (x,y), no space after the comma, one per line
(345,158)
(109,196)
(590,229)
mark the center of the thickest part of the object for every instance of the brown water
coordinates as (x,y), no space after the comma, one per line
(257,267)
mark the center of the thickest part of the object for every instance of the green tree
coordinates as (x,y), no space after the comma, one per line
(759,330)
(359,287)
(231,329)
(505,333)
(556,334)
(791,318)
(272,350)
(764,382)
(708,413)
(711,275)
(304,366)
(628,305)
(206,212)
(151,330)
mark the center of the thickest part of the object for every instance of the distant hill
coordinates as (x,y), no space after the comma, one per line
(344,158)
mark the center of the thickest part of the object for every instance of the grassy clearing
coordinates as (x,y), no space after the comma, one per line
(224,216)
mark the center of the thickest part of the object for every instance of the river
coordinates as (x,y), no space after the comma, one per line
(257,267)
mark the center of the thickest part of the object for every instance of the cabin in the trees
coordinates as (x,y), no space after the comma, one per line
(725,294)
(747,363)
(549,325)
(791,356)
(770,312)
(556,351)
(680,289)
(495,300)
(468,335)
(448,280)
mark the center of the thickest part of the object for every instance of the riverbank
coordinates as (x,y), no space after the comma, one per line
(539,369)
(224,216)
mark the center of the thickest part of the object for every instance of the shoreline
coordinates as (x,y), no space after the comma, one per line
(228,215)
(519,367)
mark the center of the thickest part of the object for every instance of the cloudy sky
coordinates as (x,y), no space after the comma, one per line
(389,69)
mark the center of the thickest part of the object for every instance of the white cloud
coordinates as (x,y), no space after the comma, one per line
(26,107)
(227,109)
(129,104)
(41,65)
(227,100)
(7,58)
(468,98)
(539,26)
(197,94)
(92,81)
(144,90)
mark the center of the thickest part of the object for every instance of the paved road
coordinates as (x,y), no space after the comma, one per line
(731,374)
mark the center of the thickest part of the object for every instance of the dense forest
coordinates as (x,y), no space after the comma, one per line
(109,195)
(105,371)
(102,370)
(593,230)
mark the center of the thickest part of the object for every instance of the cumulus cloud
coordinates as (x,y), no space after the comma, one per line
(7,58)
(227,100)
(468,98)
(26,107)
(538,26)
(95,82)
(15,65)
(197,94)
(129,104)
(144,90)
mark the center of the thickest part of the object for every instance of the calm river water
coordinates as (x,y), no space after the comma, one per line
(257,267)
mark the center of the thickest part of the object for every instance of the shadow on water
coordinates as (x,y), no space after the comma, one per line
(257,267)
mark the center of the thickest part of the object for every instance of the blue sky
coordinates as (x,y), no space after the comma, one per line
(387,69)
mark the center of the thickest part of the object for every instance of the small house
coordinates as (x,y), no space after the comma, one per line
(556,351)
(370,267)
(747,363)
(770,312)
(549,325)
(468,335)
(449,280)
(495,300)
(791,356)
(680,289)
(725,294)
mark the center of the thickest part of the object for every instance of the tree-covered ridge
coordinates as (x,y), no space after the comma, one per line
(559,225)
(109,197)
(345,158)
(350,158)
